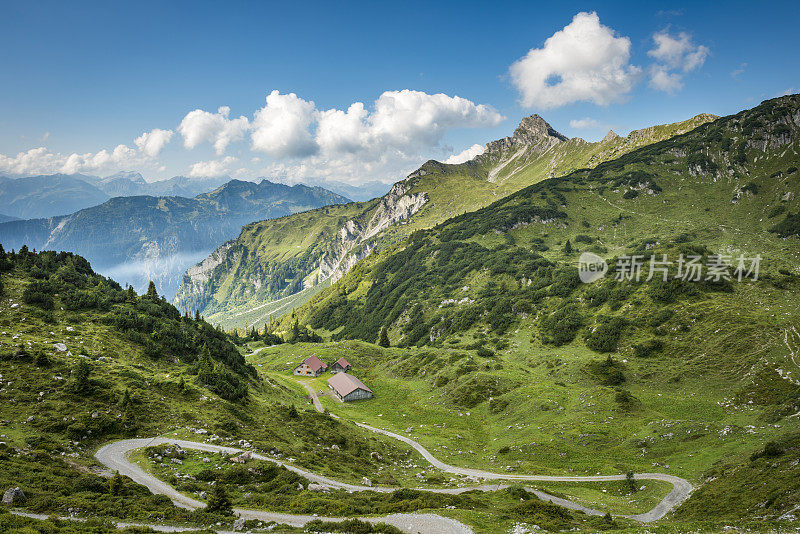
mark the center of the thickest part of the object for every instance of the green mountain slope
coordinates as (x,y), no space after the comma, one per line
(84,362)
(267,262)
(143,238)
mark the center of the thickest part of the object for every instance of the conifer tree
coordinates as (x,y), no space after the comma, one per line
(219,501)
(383,338)
(152,294)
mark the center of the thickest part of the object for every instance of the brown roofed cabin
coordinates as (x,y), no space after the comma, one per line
(311,366)
(340,366)
(348,387)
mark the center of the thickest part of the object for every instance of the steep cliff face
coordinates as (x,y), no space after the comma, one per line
(354,240)
(275,261)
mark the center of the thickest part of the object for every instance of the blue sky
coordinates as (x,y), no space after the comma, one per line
(85,78)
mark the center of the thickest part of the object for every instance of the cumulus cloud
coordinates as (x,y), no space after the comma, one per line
(212,168)
(152,142)
(281,128)
(675,56)
(201,126)
(466,155)
(377,141)
(42,161)
(662,79)
(585,61)
(402,120)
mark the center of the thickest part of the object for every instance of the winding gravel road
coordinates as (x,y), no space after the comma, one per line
(115,457)
(681,488)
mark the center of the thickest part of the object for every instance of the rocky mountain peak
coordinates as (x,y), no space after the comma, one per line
(610,136)
(534,128)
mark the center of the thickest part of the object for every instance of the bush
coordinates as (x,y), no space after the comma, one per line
(605,336)
(772,449)
(561,326)
(608,372)
(39,294)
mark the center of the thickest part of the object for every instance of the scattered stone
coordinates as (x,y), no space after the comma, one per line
(177,461)
(60,347)
(376,456)
(334,447)
(318,487)
(238,524)
(366,482)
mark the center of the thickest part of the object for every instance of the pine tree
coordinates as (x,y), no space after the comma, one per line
(631,481)
(116,484)
(205,366)
(152,294)
(80,376)
(219,501)
(383,338)
(568,247)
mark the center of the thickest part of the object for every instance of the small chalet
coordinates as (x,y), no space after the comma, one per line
(340,366)
(348,387)
(311,366)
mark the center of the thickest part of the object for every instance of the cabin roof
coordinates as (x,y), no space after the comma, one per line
(314,363)
(344,384)
(344,363)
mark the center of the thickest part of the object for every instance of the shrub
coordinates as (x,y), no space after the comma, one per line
(630,193)
(605,337)
(561,326)
(648,348)
(608,372)
(39,294)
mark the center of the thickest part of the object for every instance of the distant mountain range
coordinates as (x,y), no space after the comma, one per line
(136,239)
(49,195)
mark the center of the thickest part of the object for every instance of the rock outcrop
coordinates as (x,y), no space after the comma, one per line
(14,496)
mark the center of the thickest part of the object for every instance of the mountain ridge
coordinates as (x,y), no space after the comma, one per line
(431,194)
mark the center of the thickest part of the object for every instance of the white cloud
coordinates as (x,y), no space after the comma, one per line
(402,120)
(678,52)
(201,126)
(585,124)
(42,161)
(212,168)
(152,142)
(466,155)
(381,141)
(281,128)
(585,61)
(662,79)
(739,71)
(675,56)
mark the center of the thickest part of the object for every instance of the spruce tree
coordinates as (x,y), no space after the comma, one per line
(568,247)
(383,338)
(218,501)
(152,294)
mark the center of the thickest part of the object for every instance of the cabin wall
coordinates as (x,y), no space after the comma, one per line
(358,394)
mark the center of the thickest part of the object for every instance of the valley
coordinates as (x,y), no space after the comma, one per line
(509,395)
